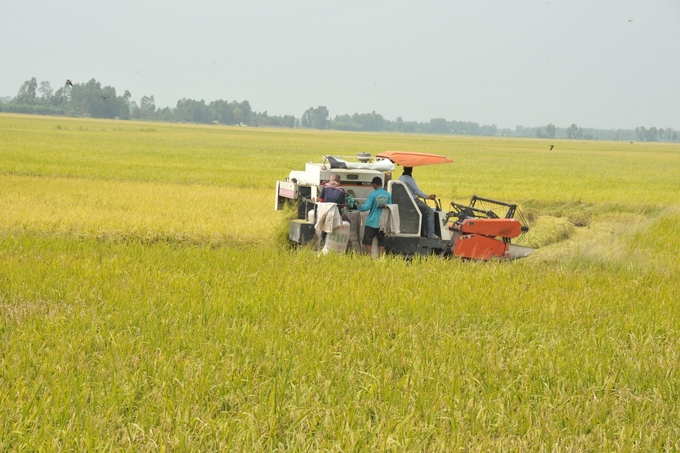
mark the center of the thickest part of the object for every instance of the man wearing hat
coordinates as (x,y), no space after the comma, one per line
(377,200)
(333,193)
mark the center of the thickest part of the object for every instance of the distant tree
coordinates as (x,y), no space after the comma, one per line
(123,103)
(674,137)
(579,133)
(572,131)
(641,131)
(189,110)
(368,121)
(540,133)
(287,121)
(91,99)
(45,92)
(242,112)
(307,119)
(134,110)
(439,126)
(669,133)
(321,114)
(147,107)
(165,114)
(489,130)
(81,98)
(316,118)
(342,122)
(264,119)
(652,134)
(550,130)
(399,124)
(521,131)
(27,92)
(465,127)
(222,111)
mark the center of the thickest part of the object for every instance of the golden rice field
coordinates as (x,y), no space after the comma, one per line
(148,301)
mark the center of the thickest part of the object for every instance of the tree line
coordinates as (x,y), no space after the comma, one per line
(319,118)
(91,99)
(575,132)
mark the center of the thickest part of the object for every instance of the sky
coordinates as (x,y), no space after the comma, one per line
(602,64)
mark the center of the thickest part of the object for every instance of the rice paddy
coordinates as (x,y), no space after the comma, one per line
(148,302)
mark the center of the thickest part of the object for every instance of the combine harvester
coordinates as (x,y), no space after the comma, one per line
(481,230)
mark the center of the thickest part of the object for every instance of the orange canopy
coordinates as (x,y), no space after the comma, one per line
(409,159)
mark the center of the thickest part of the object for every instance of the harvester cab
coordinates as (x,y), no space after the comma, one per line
(474,231)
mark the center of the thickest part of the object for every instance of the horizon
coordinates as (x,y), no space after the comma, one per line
(528,64)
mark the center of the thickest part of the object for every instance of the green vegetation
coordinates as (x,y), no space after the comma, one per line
(146,301)
(92,100)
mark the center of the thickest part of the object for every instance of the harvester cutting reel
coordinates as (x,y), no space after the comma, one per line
(485,228)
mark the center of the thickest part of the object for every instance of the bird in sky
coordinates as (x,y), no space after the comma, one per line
(630,20)
(103,97)
(551,147)
(68,82)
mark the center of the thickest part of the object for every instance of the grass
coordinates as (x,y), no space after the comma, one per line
(146,302)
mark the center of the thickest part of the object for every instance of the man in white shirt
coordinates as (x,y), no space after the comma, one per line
(428,212)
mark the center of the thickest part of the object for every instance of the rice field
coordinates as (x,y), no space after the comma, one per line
(148,301)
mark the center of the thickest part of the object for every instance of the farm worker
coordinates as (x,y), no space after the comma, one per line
(333,193)
(425,210)
(374,203)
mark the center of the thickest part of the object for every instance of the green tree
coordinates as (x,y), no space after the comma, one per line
(147,107)
(572,131)
(223,111)
(27,92)
(439,126)
(91,99)
(60,98)
(307,118)
(550,130)
(652,134)
(123,104)
(242,112)
(316,118)
(45,92)
(368,121)
(669,133)
(192,111)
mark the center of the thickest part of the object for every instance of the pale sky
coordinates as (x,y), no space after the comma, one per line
(602,64)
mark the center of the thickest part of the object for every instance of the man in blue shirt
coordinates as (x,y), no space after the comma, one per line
(377,200)
(425,210)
